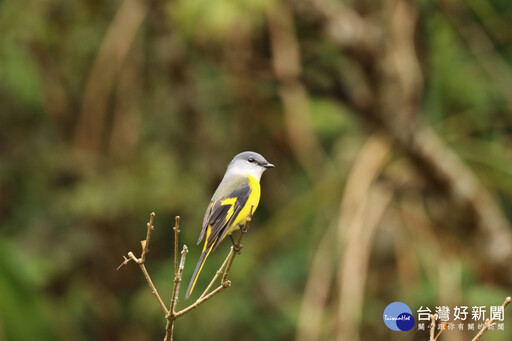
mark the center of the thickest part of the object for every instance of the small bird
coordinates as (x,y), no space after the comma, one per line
(231,203)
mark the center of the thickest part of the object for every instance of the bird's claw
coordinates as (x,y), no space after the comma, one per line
(237,249)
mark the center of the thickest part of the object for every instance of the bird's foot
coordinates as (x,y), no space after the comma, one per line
(237,248)
(243,228)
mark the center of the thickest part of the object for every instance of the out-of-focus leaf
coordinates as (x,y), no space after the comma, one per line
(25,313)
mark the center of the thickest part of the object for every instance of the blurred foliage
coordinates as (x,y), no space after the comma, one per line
(197,84)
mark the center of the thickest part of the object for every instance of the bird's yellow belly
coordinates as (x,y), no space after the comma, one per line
(252,201)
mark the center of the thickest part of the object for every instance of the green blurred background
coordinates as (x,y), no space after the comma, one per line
(389,123)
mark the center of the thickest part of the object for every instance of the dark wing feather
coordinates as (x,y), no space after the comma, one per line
(216,214)
(207,215)
(217,220)
(242,194)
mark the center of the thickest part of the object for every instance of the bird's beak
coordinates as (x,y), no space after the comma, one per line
(269,165)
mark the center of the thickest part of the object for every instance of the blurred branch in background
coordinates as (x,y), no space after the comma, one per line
(479,43)
(287,67)
(316,292)
(364,201)
(111,58)
(126,116)
(394,110)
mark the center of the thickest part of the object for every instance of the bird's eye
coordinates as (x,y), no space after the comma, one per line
(250,159)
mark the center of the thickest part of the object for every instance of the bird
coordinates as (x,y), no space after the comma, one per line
(237,196)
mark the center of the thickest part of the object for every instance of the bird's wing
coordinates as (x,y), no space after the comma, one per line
(229,199)
(223,211)
(207,216)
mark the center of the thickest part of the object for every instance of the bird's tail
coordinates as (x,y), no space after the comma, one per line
(199,266)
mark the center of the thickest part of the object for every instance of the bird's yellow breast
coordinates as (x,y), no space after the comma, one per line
(252,201)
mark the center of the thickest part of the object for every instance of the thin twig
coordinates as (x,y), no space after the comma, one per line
(444,326)
(145,249)
(171,316)
(145,243)
(433,318)
(178,272)
(231,258)
(224,284)
(153,288)
(200,301)
(217,274)
(176,229)
(488,322)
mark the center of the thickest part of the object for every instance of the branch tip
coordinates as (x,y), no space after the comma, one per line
(177,224)
(126,261)
(135,259)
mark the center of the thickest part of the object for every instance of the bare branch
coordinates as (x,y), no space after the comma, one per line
(142,259)
(433,318)
(145,243)
(217,274)
(178,271)
(201,300)
(177,231)
(126,261)
(444,326)
(488,322)
(153,288)
(170,314)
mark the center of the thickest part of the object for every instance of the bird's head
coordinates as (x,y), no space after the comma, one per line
(248,163)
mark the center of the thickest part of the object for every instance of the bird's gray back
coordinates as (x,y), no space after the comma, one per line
(228,185)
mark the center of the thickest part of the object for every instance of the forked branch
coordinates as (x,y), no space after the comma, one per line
(145,249)
(170,313)
(488,323)
(491,322)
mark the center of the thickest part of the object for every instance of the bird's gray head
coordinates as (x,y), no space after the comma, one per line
(248,163)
